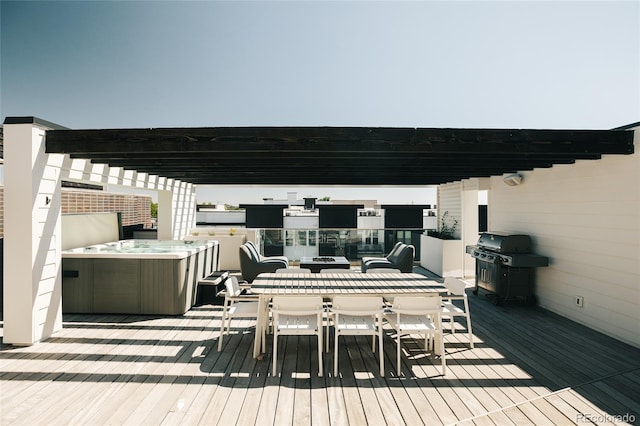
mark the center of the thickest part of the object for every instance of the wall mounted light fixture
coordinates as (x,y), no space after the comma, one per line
(513,179)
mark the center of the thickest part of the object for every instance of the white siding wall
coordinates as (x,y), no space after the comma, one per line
(586,218)
(450,199)
(460,200)
(32,282)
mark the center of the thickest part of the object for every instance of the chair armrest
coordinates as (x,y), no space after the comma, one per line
(248,297)
(414,312)
(452,297)
(356,313)
(376,263)
(297,313)
(373,259)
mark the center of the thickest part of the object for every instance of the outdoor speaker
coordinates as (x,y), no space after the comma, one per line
(513,179)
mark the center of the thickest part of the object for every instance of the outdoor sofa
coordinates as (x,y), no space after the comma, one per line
(400,257)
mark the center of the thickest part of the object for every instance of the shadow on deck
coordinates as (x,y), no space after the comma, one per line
(529,366)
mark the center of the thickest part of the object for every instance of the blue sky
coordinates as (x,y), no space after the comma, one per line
(505,64)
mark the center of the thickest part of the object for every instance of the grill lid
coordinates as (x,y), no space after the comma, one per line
(505,243)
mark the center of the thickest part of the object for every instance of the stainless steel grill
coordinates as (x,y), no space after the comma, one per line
(505,266)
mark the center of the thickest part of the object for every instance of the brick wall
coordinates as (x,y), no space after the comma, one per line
(135,209)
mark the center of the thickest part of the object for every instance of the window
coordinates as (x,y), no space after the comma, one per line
(302,238)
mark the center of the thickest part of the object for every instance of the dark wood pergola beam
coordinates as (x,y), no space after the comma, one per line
(199,179)
(340,140)
(334,155)
(326,156)
(171,167)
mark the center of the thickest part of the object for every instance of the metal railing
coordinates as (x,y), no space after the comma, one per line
(354,244)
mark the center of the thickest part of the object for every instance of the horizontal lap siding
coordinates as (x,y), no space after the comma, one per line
(586,218)
(450,200)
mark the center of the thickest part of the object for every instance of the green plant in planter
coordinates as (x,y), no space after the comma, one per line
(211,233)
(195,233)
(447,228)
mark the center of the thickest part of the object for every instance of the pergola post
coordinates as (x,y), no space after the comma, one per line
(470,224)
(32,234)
(166,209)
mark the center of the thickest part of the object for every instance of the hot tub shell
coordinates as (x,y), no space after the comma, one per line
(136,276)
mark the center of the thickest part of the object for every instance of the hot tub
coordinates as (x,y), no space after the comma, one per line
(136,276)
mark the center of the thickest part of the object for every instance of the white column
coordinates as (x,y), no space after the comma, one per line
(32,241)
(186,218)
(469,227)
(165,215)
(176,210)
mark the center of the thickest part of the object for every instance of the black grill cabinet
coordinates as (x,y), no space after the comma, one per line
(505,266)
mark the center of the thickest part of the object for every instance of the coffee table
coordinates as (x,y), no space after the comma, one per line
(315,264)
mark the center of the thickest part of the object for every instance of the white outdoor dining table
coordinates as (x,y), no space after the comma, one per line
(328,285)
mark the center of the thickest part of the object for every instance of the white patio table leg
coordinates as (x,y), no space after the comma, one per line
(261,323)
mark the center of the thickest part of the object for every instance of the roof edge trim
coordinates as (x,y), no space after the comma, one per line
(34,120)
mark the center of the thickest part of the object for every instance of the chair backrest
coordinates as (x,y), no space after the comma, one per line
(297,305)
(293,271)
(416,305)
(395,250)
(403,259)
(363,305)
(247,254)
(338,271)
(233,286)
(455,286)
(255,254)
(382,271)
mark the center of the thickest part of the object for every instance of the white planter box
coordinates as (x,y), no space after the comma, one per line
(442,257)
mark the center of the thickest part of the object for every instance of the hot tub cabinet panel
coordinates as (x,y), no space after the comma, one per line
(168,287)
(116,286)
(125,285)
(77,286)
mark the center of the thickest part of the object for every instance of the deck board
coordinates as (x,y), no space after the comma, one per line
(529,366)
(302,393)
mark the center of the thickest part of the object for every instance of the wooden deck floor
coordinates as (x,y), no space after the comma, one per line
(528,367)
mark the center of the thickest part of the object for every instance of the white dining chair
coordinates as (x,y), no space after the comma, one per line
(237,304)
(456,291)
(327,301)
(418,315)
(356,316)
(297,315)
